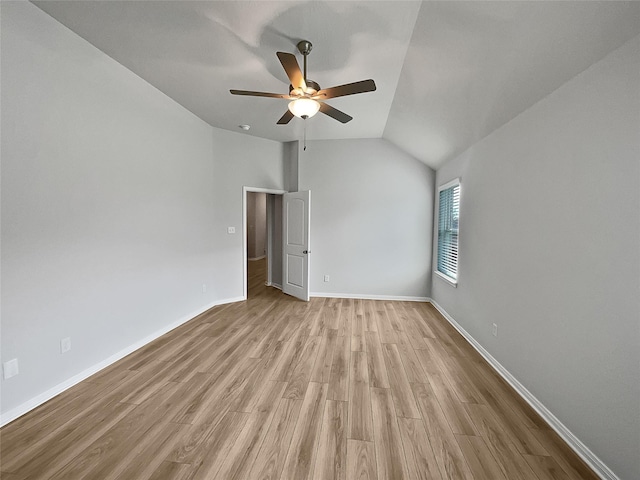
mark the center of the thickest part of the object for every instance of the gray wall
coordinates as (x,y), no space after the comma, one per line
(115,205)
(550,251)
(256,224)
(239,160)
(276,249)
(291,152)
(371,218)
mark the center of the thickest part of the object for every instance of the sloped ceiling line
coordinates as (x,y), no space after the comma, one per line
(448,73)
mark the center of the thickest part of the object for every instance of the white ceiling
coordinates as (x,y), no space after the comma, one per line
(448,73)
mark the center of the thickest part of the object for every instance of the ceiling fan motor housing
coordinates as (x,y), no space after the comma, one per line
(312,88)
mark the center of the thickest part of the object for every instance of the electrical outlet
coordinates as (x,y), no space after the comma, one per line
(494,330)
(231,230)
(65,345)
(204,288)
(326,278)
(10,368)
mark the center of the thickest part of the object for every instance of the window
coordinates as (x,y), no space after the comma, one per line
(448,215)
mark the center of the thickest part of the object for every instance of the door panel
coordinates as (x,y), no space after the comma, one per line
(296,210)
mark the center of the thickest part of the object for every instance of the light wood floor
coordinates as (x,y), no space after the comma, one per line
(274,388)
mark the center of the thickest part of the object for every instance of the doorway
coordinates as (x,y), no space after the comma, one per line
(256,242)
(262,228)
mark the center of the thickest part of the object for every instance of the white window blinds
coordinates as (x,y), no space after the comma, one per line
(448,215)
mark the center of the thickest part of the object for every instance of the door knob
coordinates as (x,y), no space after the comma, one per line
(306,251)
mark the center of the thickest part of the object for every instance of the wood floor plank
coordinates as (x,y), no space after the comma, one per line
(497,392)
(331,460)
(339,378)
(247,397)
(378,376)
(395,316)
(360,423)
(520,435)
(215,395)
(361,460)
(524,439)
(479,458)
(449,457)
(386,331)
(400,388)
(370,323)
(546,468)
(358,343)
(212,361)
(332,311)
(290,356)
(511,462)
(391,464)
(31,432)
(302,453)
(179,354)
(211,454)
(148,382)
(385,390)
(271,457)
(345,318)
(110,375)
(109,450)
(325,319)
(564,456)
(458,379)
(279,323)
(322,367)
(205,438)
(272,357)
(412,366)
(141,462)
(421,462)
(452,407)
(173,471)
(415,327)
(300,378)
(54,454)
(243,453)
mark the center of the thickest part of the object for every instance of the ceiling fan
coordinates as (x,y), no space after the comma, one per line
(307,98)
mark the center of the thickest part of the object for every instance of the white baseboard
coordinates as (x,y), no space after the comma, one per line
(252,259)
(365,296)
(597,465)
(38,400)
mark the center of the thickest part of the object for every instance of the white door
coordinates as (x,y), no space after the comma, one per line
(296,209)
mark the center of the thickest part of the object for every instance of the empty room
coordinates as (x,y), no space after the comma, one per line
(290,240)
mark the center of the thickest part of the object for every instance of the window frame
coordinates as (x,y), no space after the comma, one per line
(450,280)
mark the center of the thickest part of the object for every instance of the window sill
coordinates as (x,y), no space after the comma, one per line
(449,280)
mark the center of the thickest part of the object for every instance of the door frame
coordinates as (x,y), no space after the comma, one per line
(245,260)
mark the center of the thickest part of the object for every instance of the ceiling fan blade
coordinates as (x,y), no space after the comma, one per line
(258,94)
(334,113)
(290,65)
(286,118)
(347,89)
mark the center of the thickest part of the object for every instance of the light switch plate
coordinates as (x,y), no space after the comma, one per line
(10,368)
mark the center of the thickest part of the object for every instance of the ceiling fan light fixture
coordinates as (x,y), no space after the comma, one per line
(304,107)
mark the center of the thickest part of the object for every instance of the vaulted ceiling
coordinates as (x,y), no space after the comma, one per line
(448,73)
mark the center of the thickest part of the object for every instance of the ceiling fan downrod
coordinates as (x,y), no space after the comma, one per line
(304,47)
